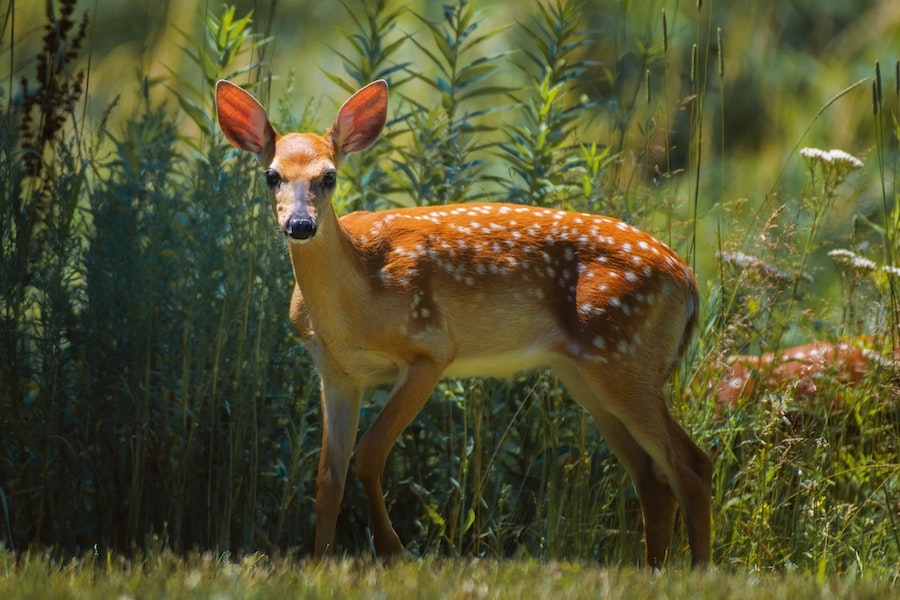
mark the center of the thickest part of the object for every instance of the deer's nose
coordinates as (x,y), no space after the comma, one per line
(300,228)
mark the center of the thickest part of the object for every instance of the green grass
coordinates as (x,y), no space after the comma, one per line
(163,575)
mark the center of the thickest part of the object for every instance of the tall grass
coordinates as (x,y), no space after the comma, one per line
(153,392)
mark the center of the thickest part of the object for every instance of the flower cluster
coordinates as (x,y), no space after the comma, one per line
(843,161)
(833,165)
(852,260)
(861,264)
(751,263)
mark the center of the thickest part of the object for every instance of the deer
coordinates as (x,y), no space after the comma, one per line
(403,297)
(799,369)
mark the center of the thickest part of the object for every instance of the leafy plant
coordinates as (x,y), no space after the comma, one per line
(225,41)
(542,151)
(365,185)
(442,163)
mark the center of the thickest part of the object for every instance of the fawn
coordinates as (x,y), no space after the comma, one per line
(800,369)
(408,296)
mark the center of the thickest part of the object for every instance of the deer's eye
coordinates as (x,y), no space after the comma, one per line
(329,179)
(272,178)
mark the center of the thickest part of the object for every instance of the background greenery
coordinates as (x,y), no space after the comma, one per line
(152,393)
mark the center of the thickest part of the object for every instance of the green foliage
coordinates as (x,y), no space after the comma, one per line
(146,346)
(811,489)
(364,185)
(550,167)
(373,45)
(154,396)
(443,163)
(227,40)
(58,85)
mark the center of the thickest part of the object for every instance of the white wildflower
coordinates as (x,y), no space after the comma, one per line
(812,154)
(852,260)
(747,262)
(832,158)
(875,357)
(839,158)
(840,255)
(891,270)
(739,259)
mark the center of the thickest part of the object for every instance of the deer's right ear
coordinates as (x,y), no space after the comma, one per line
(244,122)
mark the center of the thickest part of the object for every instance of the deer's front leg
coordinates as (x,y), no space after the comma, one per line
(340,421)
(411,391)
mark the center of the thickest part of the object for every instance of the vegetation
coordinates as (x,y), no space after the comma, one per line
(154,399)
(207,575)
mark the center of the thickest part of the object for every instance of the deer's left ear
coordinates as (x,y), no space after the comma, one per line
(361,119)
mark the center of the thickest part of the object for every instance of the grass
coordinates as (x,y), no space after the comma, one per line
(151,387)
(162,574)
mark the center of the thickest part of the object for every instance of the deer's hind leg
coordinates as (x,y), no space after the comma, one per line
(666,466)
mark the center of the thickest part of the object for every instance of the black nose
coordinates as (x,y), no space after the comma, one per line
(300,228)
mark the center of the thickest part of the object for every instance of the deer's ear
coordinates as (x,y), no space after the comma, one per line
(244,122)
(361,119)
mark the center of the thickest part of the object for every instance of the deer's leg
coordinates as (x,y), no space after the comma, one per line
(689,471)
(658,502)
(675,457)
(665,465)
(340,422)
(409,395)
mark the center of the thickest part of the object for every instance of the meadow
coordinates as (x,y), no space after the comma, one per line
(159,418)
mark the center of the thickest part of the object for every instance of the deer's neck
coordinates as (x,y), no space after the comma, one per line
(327,271)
